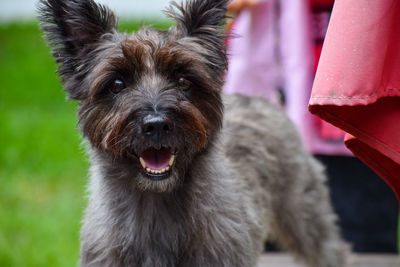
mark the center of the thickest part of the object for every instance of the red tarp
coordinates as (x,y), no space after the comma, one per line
(357,85)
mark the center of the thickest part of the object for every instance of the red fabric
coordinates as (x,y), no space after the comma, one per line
(322,2)
(358,82)
(321,10)
(328,131)
(317,54)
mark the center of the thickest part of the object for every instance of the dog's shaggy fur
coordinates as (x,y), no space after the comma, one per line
(172,183)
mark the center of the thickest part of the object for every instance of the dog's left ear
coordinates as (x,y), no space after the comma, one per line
(204,20)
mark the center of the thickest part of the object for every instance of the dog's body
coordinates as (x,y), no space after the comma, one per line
(255,181)
(171,186)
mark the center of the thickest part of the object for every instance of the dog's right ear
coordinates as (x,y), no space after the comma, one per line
(203,19)
(73,29)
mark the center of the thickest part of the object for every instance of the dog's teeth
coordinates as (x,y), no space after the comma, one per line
(161,171)
(143,163)
(171,160)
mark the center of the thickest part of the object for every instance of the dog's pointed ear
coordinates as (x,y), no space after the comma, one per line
(73,29)
(203,19)
(196,17)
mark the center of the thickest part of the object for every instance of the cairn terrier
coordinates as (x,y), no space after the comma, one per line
(176,179)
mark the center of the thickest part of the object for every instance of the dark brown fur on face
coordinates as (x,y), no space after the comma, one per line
(151,71)
(172,183)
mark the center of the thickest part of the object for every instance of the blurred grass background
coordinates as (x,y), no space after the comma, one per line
(43,168)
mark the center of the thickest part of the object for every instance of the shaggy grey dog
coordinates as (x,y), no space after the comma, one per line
(172,183)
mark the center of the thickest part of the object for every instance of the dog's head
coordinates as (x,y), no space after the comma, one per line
(149,100)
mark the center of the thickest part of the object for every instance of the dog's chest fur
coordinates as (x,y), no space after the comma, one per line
(194,226)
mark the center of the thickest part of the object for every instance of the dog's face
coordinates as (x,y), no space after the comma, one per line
(149,100)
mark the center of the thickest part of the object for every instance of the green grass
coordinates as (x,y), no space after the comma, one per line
(43,168)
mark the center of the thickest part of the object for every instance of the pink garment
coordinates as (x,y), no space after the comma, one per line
(357,86)
(274,50)
(253,68)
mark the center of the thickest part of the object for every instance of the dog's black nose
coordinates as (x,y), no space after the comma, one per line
(157,126)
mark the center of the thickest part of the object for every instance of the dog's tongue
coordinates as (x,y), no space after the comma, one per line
(156,159)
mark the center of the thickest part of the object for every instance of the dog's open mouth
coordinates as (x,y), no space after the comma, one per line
(157,163)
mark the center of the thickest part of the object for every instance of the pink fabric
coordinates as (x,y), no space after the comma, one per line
(358,82)
(253,68)
(274,50)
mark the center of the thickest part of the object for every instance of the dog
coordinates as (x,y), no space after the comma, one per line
(181,175)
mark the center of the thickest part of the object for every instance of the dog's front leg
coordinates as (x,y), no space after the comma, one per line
(220,249)
(215,259)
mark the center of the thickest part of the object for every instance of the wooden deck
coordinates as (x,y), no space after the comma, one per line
(355,260)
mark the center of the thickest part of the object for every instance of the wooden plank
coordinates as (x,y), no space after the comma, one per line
(355,260)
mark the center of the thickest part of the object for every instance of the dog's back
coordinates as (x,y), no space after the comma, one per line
(284,181)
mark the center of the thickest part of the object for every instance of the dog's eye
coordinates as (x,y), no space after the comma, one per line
(184,83)
(117,86)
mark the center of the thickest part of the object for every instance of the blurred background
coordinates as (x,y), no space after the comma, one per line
(43,168)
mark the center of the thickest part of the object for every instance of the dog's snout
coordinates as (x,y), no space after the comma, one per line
(157,126)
